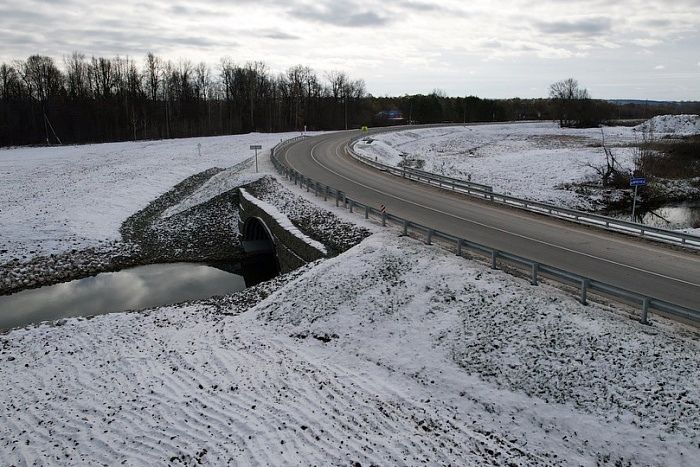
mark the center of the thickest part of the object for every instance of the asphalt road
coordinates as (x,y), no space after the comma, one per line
(655,270)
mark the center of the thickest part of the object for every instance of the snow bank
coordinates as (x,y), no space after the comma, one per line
(670,125)
(284,221)
(392,353)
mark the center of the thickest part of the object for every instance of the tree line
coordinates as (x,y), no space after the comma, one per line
(100,99)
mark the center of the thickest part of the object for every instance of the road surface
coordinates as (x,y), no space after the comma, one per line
(655,270)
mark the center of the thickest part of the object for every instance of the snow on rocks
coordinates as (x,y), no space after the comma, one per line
(223,182)
(663,125)
(56,199)
(532,160)
(284,221)
(16,274)
(336,233)
(392,353)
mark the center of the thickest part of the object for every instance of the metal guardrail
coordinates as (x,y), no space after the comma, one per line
(535,269)
(573,215)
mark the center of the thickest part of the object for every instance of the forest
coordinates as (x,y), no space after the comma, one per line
(99,99)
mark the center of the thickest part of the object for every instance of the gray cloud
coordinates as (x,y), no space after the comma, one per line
(397,45)
(278,35)
(187,10)
(345,14)
(584,26)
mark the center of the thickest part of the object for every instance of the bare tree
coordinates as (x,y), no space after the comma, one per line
(570,102)
(153,75)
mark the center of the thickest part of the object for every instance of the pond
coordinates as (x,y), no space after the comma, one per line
(673,216)
(129,289)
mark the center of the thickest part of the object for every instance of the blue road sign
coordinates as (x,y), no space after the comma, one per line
(639,181)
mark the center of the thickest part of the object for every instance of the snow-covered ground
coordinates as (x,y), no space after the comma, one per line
(53,200)
(534,160)
(391,353)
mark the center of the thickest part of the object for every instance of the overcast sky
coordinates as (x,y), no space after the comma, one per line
(648,49)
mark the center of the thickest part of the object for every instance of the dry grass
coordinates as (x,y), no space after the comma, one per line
(672,159)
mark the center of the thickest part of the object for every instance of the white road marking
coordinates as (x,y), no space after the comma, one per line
(588,255)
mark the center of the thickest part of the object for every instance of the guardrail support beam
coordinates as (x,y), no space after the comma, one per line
(584,291)
(535,270)
(459,247)
(429,237)
(366,212)
(405,228)
(494,257)
(351,203)
(645,310)
(383,219)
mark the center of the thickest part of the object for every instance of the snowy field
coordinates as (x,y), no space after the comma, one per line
(392,353)
(530,160)
(73,197)
(406,355)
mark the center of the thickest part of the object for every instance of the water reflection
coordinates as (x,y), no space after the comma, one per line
(678,216)
(140,287)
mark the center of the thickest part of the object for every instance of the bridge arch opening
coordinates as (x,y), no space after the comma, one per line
(259,261)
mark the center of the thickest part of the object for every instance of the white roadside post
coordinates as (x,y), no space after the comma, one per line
(636,182)
(256,147)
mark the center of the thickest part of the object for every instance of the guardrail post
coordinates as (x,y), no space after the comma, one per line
(316,189)
(325,194)
(308,182)
(345,201)
(405,227)
(366,212)
(459,247)
(337,198)
(429,237)
(383,219)
(535,269)
(494,256)
(295,179)
(645,310)
(584,291)
(351,203)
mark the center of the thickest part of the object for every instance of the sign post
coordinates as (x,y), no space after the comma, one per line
(256,147)
(636,182)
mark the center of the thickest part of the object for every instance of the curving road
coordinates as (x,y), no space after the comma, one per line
(652,269)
